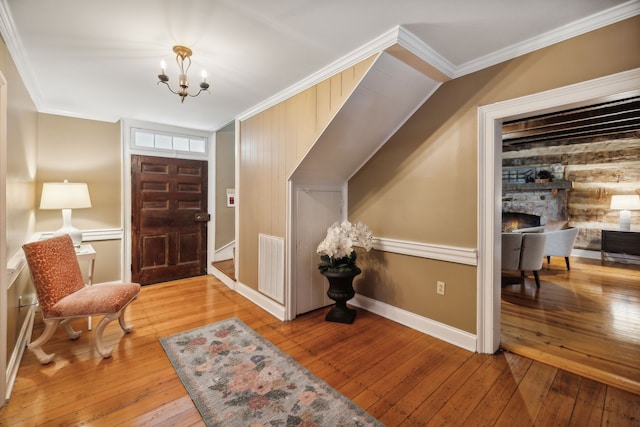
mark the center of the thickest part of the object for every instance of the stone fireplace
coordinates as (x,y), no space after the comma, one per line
(517,220)
(533,204)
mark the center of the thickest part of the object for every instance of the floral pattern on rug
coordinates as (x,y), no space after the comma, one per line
(237,378)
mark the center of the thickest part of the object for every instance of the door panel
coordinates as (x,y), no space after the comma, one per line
(316,210)
(169,218)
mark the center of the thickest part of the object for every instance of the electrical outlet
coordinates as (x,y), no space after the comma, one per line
(440,288)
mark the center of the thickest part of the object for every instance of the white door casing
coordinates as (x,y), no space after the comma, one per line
(490,119)
(4,278)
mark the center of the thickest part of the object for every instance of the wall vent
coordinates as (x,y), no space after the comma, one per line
(271,267)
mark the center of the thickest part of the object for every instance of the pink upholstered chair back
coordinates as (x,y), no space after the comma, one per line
(54,269)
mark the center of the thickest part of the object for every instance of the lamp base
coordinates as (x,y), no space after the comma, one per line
(625,220)
(67,228)
(74,233)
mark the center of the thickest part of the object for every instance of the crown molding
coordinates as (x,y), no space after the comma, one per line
(403,37)
(373,47)
(415,45)
(14,45)
(396,36)
(565,32)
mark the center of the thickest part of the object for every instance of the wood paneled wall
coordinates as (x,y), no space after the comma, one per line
(272,143)
(598,168)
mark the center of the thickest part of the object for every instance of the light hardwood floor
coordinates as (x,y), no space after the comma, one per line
(399,375)
(586,320)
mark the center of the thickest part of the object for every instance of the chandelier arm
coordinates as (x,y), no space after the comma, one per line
(183,93)
(168,87)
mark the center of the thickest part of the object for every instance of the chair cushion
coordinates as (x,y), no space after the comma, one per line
(102,298)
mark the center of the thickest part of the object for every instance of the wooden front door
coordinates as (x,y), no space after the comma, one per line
(168,218)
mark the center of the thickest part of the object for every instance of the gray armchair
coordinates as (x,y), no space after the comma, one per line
(533,246)
(523,251)
(560,243)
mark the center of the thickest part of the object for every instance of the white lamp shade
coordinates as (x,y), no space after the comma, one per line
(65,195)
(625,202)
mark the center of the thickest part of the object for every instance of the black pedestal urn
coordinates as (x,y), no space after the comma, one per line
(341,291)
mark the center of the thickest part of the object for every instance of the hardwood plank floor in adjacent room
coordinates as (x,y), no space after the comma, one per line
(586,320)
(399,375)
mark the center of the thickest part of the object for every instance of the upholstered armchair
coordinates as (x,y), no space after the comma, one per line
(63,296)
(511,244)
(523,251)
(533,245)
(560,243)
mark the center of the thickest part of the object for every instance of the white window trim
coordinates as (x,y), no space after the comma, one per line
(130,126)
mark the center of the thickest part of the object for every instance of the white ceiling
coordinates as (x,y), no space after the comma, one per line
(100,59)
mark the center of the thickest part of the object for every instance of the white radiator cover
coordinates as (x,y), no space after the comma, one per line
(271,266)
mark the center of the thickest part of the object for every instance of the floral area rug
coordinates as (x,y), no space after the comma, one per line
(235,377)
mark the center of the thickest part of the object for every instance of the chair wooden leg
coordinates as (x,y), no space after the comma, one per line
(537,277)
(566,259)
(50,326)
(104,352)
(548,260)
(126,327)
(73,334)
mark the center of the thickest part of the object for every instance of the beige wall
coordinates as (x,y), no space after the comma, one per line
(20,186)
(225,178)
(88,151)
(22,133)
(81,150)
(422,184)
(272,143)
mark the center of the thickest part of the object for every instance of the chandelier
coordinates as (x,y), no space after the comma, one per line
(182,53)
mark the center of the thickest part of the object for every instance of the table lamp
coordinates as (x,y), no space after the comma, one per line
(625,204)
(66,196)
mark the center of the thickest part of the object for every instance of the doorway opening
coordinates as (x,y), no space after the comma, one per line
(626,84)
(573,319)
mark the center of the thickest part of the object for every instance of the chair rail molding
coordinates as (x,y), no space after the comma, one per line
(467,256)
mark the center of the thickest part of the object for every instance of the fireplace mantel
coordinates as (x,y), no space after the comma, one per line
(537,186)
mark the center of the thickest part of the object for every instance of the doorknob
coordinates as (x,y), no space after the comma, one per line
(202,217)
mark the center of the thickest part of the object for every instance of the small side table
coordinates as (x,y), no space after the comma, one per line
(86,253)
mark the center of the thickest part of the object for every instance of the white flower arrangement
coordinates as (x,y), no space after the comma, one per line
(337,252)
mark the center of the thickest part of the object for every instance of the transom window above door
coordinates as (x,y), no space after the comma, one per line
(145,139)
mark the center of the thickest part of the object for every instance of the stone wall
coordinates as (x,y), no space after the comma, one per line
(597,168)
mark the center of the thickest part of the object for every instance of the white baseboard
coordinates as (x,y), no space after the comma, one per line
(23,340)
(436,329)
(431,327)
(225,252)
(223,277)
(608,256)
(585,253)
(264,302)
